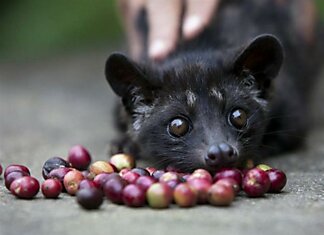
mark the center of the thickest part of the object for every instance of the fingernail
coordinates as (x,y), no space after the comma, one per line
(158,50)
(191,26)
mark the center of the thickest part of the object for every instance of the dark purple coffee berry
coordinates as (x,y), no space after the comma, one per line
(79,157)
(278,180)
(13,176)
(113,189)
(102,178)
(86,183)
(140,171)
(157,174)
(59,173)
(89,198)
(144,182)
(53,163)
(15,167)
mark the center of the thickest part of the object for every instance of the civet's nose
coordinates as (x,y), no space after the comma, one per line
(220,155)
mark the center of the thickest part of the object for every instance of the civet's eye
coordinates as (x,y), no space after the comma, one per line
(238,118)
(178,127)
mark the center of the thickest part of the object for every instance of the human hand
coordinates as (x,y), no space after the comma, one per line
(165,22)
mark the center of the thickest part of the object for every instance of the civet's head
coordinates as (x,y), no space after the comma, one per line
(199,110)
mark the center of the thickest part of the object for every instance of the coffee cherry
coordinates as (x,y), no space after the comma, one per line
(59,173)
(99,167)
(122,161)
(173,183)
(89,198)
(200,187)
(133,196)
(278,180)
(25,187)
(221,194)
(184,195)
(256,182)
(51,188)
(231,183)
(172,179)
(102,178)
(159,196)
(15,167)
(71,181)
(202,174)
(144,182)
(86,183)
(13,176)
(157,174)
(0,169)
(140,171)
(229,173)
(53,163)
(130,177)
(263,167)
(113,189)
(79,157)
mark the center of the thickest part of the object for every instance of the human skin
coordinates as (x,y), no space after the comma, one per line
(166,18)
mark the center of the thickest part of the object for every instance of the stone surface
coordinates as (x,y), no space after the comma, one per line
(48,106)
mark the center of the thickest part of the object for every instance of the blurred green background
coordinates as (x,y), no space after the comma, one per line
(36,28)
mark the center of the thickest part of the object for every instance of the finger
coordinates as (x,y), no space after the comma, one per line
(164,18)
(129,10)
(197,16)
(306,24)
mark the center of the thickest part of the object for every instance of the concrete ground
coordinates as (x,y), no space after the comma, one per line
(46,107)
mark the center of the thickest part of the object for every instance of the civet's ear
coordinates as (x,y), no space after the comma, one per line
(262,57)
(123,75)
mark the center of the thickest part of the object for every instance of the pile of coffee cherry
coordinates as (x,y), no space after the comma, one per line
(119,181)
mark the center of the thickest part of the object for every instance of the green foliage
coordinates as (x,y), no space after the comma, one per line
(32,28)
(320,7)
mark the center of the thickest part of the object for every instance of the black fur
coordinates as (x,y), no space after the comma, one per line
(232,58)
